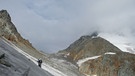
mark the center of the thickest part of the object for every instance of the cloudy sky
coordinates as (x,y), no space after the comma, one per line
(52,25)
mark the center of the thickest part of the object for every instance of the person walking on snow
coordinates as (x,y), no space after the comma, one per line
(39,62)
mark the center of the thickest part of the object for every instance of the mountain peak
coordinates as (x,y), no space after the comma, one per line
(7,28)
(94,34)
(89,46)
(9,31)
(5,15)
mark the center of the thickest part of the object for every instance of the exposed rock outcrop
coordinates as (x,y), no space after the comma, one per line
(9,31)
(122,64)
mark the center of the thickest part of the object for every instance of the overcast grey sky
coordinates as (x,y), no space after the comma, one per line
(52,25)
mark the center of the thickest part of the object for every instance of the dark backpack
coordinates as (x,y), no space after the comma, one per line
(40,61)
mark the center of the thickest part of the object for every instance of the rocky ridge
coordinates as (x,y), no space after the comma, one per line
(88,46)
(9,31)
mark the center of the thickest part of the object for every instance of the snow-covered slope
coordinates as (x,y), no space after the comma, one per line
(122,42)
(55,66)
(45,66)
(16,64)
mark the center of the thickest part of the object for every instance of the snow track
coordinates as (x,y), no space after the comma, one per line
(81,61)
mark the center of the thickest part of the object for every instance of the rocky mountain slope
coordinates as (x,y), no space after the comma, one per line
(96,56)
(9,31)
(88,46)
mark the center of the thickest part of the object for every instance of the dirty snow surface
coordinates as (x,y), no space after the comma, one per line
(81,61)
(24,64)
(16,64)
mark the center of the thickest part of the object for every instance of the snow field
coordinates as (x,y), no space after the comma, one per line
(81,61)
(45,66)
(124,43)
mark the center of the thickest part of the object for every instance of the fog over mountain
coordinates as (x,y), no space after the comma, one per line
(51,25)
